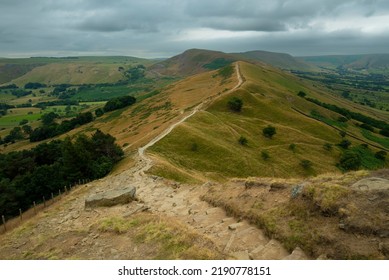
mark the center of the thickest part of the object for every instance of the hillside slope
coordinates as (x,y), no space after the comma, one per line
(66,70)
(207,146)
(279,60)
(195,61)
(367,62)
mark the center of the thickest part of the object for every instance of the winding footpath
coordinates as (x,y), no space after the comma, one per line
(236,238)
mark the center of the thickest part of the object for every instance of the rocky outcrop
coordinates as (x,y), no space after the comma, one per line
(111,198)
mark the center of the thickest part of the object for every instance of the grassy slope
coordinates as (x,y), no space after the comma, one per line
(268,96)
(136,125)
(77,70)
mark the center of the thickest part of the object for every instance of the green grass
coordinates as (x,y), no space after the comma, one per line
(15,116)
(369,161)
(379,140)
(216,132)
(103,93)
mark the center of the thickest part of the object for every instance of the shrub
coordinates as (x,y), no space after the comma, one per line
(194,147)
(265,155)
(301,94)
(235,104)
(306,164)
(292,147)
(344,144)
(350,161)
(269,131)
(381,155)
(327,146)
(342,134)
(242,140)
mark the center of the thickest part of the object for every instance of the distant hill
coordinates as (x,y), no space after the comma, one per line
(191,62)
(279,60)
(72,70)
(195,61)
(369,62)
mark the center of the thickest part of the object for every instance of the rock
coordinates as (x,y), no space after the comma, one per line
(277,187)
(297,254)
(234,226)
(384,248)
(322,257)
(111,198)
(250,184)
(141,208)
(241,255)
(273,250)
(371,184)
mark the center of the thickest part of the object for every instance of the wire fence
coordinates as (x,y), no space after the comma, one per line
(8,225)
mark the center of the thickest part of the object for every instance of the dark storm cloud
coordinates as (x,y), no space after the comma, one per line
(163,28)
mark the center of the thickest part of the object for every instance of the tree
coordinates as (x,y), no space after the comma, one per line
(301,94)
(342,133)
(306,164)
(350,161)
(381,155)
(99,112)
(118,103)
(269,131)
(235,104)
(345,144)
(48,119)
(242,140)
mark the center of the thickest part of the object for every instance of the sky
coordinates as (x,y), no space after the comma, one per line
(163,28)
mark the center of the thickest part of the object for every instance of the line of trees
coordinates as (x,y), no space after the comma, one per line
(353,115)
(28,175)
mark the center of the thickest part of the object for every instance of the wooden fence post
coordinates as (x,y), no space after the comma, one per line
(66,189)
(59,193)
(20,214)
(34,208)
(44,202)
(3,218)
(52,198)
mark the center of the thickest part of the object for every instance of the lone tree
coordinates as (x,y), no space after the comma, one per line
(344,144)
(350,161)
(306,164)
(269,131)
(235,104)
(301,94)
(243,140)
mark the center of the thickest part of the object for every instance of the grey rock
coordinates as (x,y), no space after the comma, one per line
(370,184)
(277,187)
(251,184)
(234,226)
(241,255)
(297,254)
(111,198)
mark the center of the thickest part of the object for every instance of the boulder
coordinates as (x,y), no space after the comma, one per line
(371,184)
(111,198)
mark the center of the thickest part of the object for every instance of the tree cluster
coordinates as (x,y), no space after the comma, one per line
(119,102)
(50,128)
(28,175)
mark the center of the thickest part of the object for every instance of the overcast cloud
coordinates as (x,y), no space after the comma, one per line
(162,28)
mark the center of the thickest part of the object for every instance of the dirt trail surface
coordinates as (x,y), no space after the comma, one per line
(236,238)
(182,203)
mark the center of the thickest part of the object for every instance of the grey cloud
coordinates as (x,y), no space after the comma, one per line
(151,27)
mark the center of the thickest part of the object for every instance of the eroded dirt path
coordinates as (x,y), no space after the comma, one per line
(236,238)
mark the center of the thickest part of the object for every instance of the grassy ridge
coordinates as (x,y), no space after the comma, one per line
(216,131)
